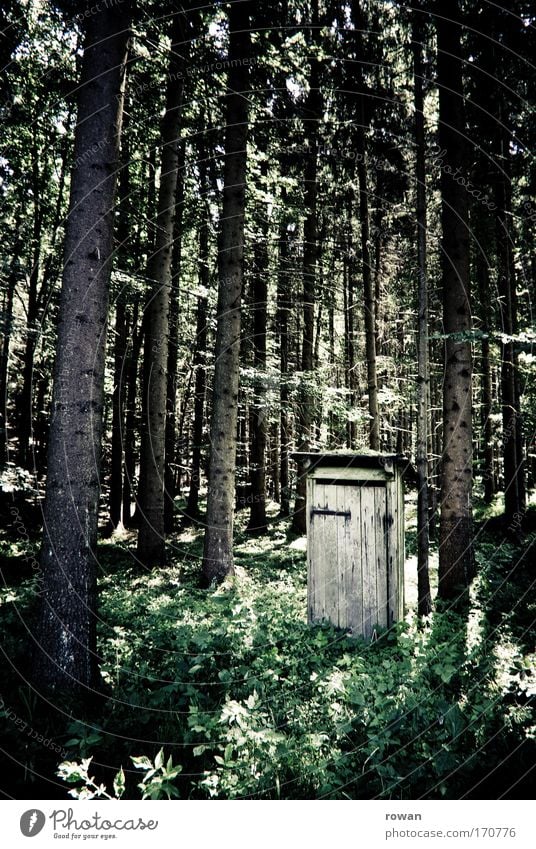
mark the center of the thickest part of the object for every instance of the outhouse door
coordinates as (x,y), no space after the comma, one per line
(351,575)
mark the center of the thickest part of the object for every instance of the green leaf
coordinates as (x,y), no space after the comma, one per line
(119,783)
(142,762)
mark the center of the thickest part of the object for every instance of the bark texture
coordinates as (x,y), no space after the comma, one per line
(455,535)
(192,508)
(369,300)
(313,115)
(151,536)
(514,465)
(218,546)
(65,659)
(283,311)
(257,422)
(423,365)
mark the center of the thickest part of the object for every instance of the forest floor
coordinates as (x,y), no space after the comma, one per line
(248,701)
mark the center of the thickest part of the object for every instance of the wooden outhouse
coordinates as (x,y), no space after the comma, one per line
(355,540)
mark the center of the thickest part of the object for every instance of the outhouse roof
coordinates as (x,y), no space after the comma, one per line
(349,460)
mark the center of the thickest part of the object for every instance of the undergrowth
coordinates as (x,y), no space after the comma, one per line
(228,693)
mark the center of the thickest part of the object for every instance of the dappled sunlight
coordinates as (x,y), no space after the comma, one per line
(258,703)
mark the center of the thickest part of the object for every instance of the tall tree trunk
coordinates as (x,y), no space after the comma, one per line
(482,275)
(218,547)
(151,536)
(40,280)
(192,508)
(65,659)
(378,246)
(283,310)
(25,411)
(131,380)
(423,367)
(455,535)
(368,294)
(258,414)
(436,427)
(170,477)
(349,293)
(313,115)
(120,346)
(7,322)
(118,397)
(369,305)
(514,483)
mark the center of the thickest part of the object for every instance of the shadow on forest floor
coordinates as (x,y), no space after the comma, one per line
(251,702)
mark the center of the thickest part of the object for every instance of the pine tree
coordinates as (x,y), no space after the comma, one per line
(65,659)
(218,547)
(455,535)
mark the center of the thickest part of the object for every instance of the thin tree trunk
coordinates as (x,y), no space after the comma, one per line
(313,113)
(484,292)
(151,536)
(131,380)
(455,536)
(349,285)
(378,245)
(116,476)
(514,484)
(218,547)
(369,305)
(423,365)
(65,659)
(283,309)
(257,421)
(242,487)
(25,400)
(120,345)
(192,508)
(368,294)
(170,478)
(275,469)
(40,280)
(7,322)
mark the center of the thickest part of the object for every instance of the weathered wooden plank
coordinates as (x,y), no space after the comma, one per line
(401,545)
(317,548)
(311,565)
(368,550)
(391,522)
(330,555)
(354,573)
(350,482)
(337,473)
(380,507)
(355,547)
(344,556)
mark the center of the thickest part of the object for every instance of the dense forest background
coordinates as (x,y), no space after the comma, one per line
(230,233)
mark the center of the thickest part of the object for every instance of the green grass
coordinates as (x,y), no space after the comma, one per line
(252,702)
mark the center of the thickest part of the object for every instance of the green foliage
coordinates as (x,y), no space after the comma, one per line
(257,704)
(73,772)
(158,780)
(157,783)
(264,706)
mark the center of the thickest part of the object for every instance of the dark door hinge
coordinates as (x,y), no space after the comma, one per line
(318,511)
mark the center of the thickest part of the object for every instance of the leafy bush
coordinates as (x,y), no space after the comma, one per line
(251,702)
(157,783)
